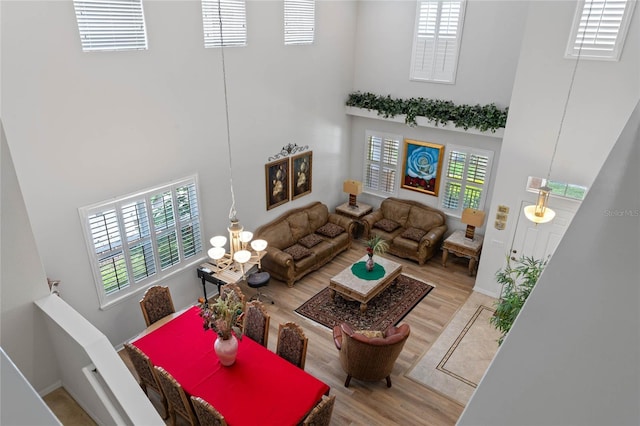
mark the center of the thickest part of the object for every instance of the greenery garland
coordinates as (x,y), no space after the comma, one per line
(483,118)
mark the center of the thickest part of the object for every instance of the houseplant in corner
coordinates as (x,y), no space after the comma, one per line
(222,316)
(375,245)
(518,279)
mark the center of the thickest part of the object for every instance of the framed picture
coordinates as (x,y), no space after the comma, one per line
(301,174)
(422,166)
(277,179)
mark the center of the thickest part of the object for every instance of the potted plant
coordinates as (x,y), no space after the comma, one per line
(375,245)
(518,279)
(223,316)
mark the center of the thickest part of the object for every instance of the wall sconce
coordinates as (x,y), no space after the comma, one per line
(353,188)
(472,218)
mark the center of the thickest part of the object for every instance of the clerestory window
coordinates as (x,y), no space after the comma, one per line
(233,15)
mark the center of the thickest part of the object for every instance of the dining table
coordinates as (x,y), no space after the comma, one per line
(260,388)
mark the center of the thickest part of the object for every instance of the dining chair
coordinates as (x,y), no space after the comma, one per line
(321,413)
(156,304)
(207,415)
(256,322)
(178,401)
(144,369)
(292,343)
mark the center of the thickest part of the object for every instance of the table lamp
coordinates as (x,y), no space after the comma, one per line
(353,188)
(472,218)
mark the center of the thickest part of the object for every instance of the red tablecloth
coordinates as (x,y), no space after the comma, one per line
(259,388)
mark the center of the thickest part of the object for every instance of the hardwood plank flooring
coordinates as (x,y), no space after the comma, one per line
(372,403)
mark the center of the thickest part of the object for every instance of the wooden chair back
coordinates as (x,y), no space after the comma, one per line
(256,322)
(144,369)
(321,413)
(176,397)
(156,304)
(292,343)
(207,415)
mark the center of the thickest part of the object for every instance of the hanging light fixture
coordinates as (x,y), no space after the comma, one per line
(239,239)
(540,212)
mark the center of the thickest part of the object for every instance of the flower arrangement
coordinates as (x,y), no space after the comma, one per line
(376,245)
(222,316)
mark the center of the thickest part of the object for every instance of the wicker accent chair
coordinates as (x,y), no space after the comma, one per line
(321,413)
(178,401)
(207,415)
(156,304)
(256,322)
(369,358)
(144,368)
(292,343)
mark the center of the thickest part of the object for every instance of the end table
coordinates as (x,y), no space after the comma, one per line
(355,212)
(462,246)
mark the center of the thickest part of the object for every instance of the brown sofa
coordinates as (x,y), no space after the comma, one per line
(304,239)
(412,229)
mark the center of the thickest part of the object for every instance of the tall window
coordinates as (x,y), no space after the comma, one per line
(466,178)
(381,163)
(599,29)
(234,23)
(111,24)
(436,42)
(137,240)
(299,21)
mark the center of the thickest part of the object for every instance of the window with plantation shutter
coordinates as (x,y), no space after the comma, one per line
(465,178)
(299,21)
(135,241)
(599,29)
(436,42)
(381,163)
(234,23)
(111,24)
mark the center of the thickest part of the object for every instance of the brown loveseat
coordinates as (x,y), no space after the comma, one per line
(302,240)
(412,229)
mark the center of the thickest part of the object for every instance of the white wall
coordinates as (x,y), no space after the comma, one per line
(488,56)
(86,127)
(603,95)
(572,354)
(22,280)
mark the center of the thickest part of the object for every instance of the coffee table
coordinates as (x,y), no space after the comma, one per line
(354,288)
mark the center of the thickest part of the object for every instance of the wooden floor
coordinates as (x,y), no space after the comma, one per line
(363,403)
(367,403)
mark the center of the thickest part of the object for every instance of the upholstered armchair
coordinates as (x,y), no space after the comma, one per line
(369,355)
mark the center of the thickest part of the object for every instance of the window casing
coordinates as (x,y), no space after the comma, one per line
(558,189)
(111,25)
(299,21)
(599,29)
(381,155)
(436,42)
(234,23)
(465,179)
(137,240)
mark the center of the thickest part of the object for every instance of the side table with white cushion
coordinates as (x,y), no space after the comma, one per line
(462,246)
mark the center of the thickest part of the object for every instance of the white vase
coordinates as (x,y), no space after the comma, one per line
(226,350)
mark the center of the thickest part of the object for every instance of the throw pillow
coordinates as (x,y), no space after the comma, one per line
(297,251)
(310,240)
(387,225)
(330,230)
(370,333)
(414,234)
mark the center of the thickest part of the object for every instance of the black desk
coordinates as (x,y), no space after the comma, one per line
(208,277)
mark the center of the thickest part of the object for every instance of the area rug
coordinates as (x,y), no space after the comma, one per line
(458,359)
(387,308)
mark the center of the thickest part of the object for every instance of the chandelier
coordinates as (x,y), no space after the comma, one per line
(540,212)
(239,239)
